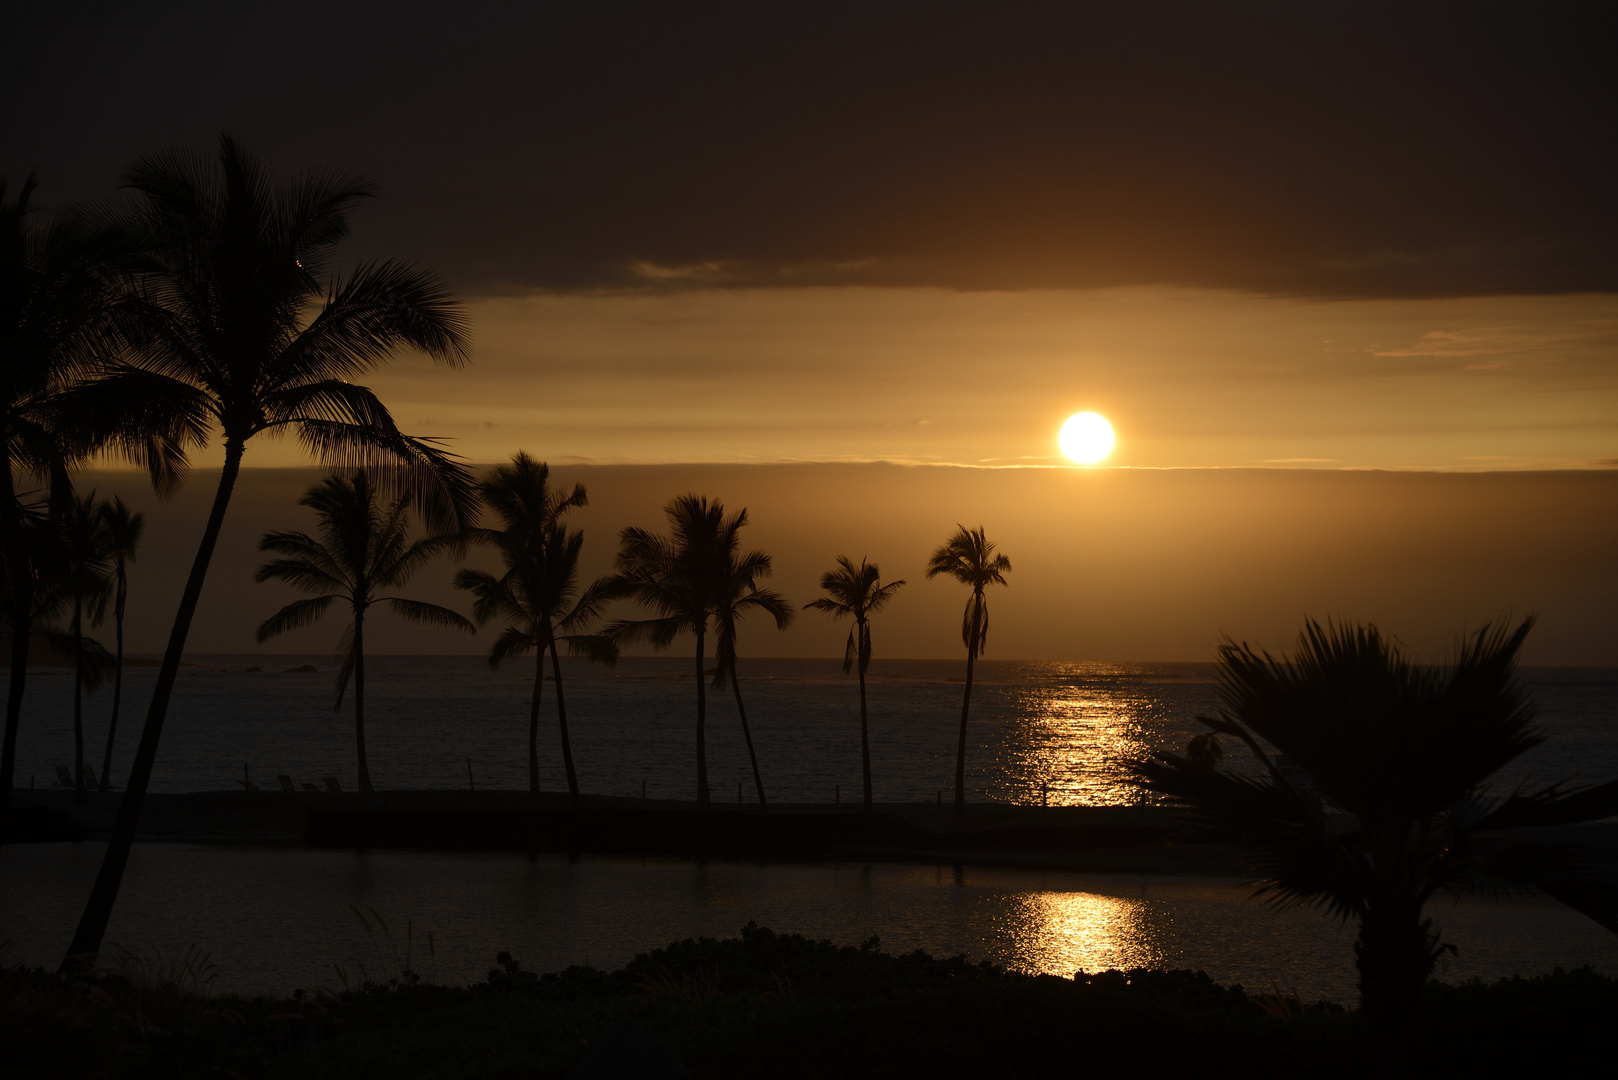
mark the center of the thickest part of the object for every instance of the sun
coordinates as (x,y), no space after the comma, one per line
(1086,437)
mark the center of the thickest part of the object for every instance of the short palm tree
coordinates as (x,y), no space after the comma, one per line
(244,327)
(88,586)
(738,596)
(969,558)
(857,592)
(363,548)
(1396,806)
(60,279)
(121,530)
(539,592)
(680,577)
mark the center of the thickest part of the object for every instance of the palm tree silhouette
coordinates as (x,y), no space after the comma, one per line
(88,585)
(1405,752)
(362,549)
(60,279)
(681,577)
(857,592)
(737,595)
(244,326)
(969,558)
(539,592)
(121,533)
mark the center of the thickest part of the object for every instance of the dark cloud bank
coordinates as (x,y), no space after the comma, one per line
(1336,149)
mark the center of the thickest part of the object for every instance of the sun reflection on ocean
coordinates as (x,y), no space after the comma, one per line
(1072,733)
(1059,933)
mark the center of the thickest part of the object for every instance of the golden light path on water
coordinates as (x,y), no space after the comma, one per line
(1059,933)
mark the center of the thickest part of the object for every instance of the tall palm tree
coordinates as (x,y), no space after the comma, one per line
(362,549)
(88,584)
(539,592)
(121,531)
(1406,752)
(737,596)
(857,592)
(59,285)
(247,329)
(969,558)
(680,577)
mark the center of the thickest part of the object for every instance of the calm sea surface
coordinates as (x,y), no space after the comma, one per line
(279,918)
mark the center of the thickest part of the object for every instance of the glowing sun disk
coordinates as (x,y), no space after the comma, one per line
(1086,437)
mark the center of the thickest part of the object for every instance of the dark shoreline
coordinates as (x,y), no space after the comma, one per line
(1144,840)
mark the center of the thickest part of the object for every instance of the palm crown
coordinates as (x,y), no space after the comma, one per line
(855,592)
(968,557)
(1406,752)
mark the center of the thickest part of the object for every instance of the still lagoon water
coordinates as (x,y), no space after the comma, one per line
(275,919)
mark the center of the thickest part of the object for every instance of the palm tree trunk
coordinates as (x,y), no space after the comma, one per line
(117,675)
(533,724)
(86,944)
(561,719)
(359,701)
(702,721)
(865,743)
(1394,954)
(22,629)
(80,795)
(966,704)
(758,780)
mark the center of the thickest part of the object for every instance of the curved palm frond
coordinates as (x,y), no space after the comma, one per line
(426,614)
(295,616)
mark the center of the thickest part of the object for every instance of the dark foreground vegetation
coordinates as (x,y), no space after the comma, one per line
(775,1005)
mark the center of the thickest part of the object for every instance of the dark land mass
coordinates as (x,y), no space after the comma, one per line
(1102,839)
(1106,839)
(769,1005)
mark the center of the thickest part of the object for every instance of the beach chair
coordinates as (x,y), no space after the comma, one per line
(333,786)
(286,784)
(248,785)
(307,786)
(64,778)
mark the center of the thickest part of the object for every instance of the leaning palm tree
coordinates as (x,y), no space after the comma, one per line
(88,585)
(59,286)
(737,596)
(1386,800)
(362,549)
(969,558)
(857,592)
(680,577)
(246,328)
(122,531)
(539,592)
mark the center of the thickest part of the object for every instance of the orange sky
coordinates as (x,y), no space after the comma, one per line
(1195,379)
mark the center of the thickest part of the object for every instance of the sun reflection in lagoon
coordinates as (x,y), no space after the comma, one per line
(1060,933)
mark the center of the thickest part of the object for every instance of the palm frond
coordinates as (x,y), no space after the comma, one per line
(426,614)
(295,616)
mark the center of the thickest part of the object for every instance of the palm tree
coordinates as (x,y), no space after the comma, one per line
(362,549)
(539,592)
(969,558)
(1404,752)
(59,283)
(121,533)
(739,594)
(857,592)
(87,584)
(680,577)
(247,329)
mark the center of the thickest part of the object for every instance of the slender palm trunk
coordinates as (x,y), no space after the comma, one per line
(359,700)
(561,719)
(758,779)
(533,724)
(22,629)
(702,724)
(86,944)
(966,705)
(80,793)
(865,743)
(117,676)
